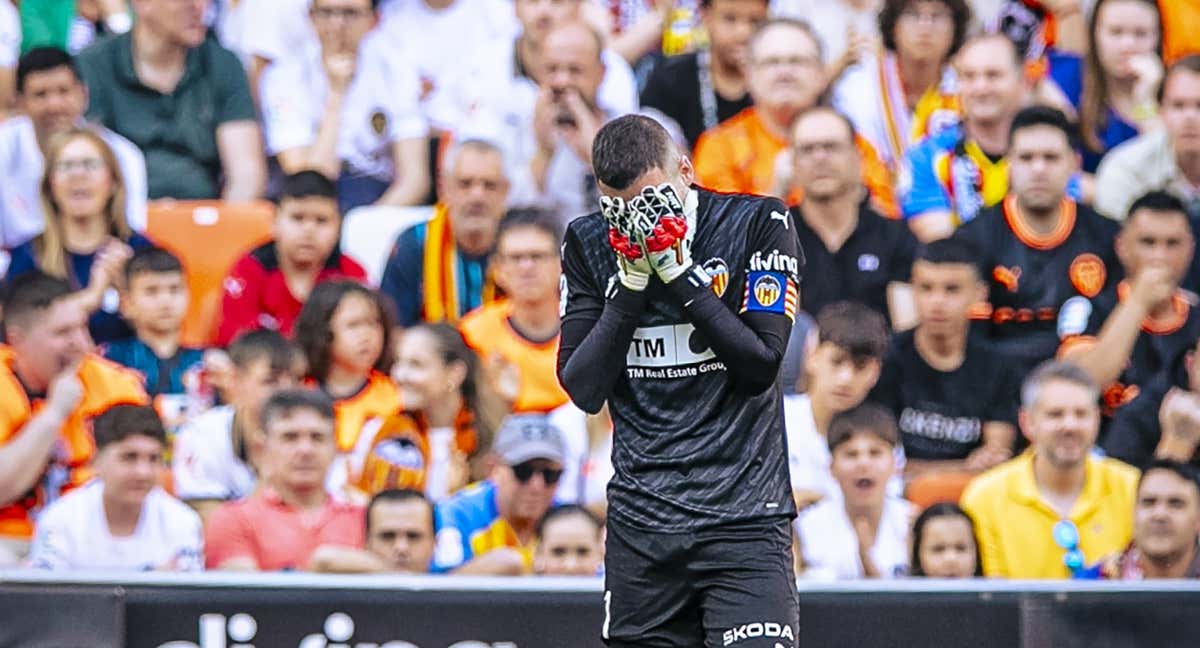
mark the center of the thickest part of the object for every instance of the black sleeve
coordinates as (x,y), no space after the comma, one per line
(906,251)
(595,333)
(1133,434)
(751,344)
(886,391)
(659,92)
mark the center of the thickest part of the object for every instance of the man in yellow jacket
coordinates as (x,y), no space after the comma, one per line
(1055,510)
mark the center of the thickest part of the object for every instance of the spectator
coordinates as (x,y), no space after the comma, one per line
(53,98)
(218,455)
(784,78)
(51,387)
(1038,248)
(122,520)
(1163,421)
(840,370)
(858,254)
(154,302)
(952,395)
(863,533)
(520,334)
(344,331)
(704,88)
(449,412)
(1166,526)
(482,33)
(962,170)
(570,543)
(1128,337)
(72,26)
(438,270)
(1053,510)
(268,287)
(283,522)
(399,538)
(907,91)
(489,524)
(1113,88)
(1166,158)
(944,544)
(350,110)
(182,99)
(86,239)
(847,29)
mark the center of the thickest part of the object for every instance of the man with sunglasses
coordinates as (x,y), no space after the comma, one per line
(677,304)
(1058,509)
(491,527)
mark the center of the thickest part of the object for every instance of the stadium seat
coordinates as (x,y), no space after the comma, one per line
(208,237)
(368,234)
(933,488)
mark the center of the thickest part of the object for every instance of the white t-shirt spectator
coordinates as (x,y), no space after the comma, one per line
(10,35)
(273,29)
(480,31)
(381,107)
(204,464)
(808,452)
(73,533)
(572,422)
(22,166)
(830,546)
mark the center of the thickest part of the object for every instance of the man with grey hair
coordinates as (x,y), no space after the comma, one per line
(473,186)
(1058,509)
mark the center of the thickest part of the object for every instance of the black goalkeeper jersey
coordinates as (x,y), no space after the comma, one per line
(693,445)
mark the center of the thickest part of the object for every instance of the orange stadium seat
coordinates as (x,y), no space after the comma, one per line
(208,236)
(933,488)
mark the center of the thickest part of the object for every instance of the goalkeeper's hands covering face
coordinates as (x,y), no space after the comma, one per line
(650,234)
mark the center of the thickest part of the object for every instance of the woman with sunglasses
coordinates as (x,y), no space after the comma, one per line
(449,413)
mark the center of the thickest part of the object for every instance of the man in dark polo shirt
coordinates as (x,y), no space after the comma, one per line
(855,253)
(183,99)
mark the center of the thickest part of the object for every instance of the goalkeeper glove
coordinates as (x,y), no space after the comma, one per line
(664,231)
(633,268)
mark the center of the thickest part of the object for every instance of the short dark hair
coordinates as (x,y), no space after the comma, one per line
(314,331)
(29,293)
(43,59)
(307,184)
(1182,470)
(152,260)
(868,417)
(374,4)
(567,510)
(857,329)
(1157,201)
(948,251)
(935,511)
(1189,64)
(120,422)
(538,219)
(398,495)
(253,346)
(286,401)
(892,10)
(812,110)
(1031,116)
(629,146)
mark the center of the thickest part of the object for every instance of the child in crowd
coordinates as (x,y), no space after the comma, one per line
(944,544)
(344,331)
(154,301)
(570,543)
(864,533)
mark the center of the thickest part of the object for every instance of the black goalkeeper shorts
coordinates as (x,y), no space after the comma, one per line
(732,585)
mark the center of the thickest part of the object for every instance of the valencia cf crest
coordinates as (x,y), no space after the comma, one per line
(767,290)
(379,122)
(1087,274)
(718,271)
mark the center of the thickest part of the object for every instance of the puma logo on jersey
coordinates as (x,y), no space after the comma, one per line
(1010,278)
(781,217)
(776,261)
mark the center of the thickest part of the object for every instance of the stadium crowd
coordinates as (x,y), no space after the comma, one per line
(995,374)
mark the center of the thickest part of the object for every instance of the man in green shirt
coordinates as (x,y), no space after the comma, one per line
(183,99)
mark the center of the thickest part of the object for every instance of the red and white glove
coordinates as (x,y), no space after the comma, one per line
(664,231)
(633,266)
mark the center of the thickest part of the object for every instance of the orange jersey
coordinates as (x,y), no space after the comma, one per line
(739,156)
(488,331)
(399,454)
(378,399)
(105,385)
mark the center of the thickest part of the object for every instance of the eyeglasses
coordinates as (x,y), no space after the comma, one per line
(808,149)
(525,472)
(532,257)
(789,61)
(329,13)
(84,164)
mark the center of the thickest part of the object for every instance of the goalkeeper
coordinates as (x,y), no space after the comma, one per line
(677,304)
